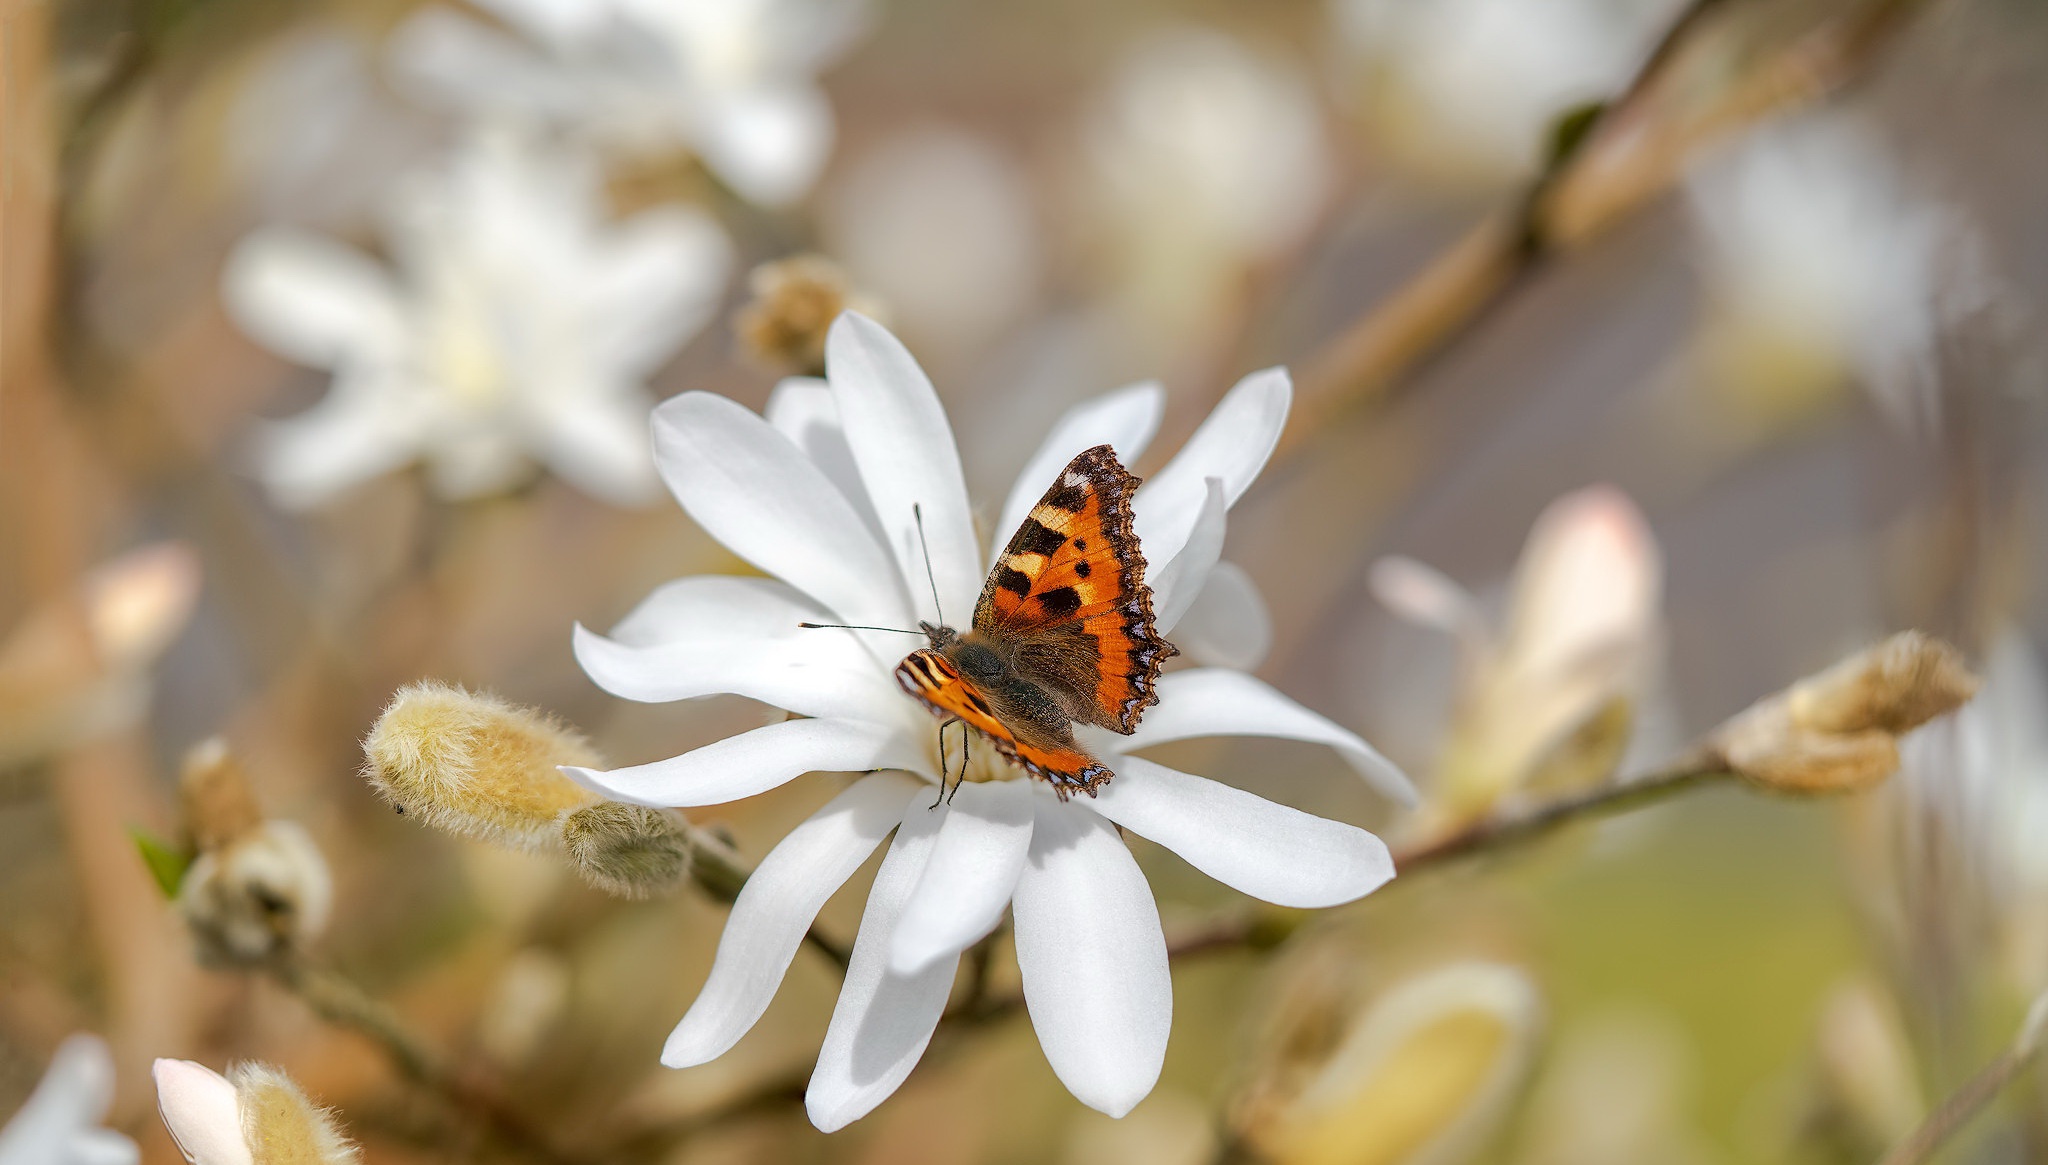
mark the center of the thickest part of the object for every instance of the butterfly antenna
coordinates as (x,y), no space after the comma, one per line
(857,627)
(917,512)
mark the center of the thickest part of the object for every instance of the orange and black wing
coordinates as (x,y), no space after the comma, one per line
(1069,591)
(1053,756)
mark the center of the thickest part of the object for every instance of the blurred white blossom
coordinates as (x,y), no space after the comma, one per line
(514,325)
(60,1124)
(823,494)
(1469,89)
(734,81)
(1825,266)
(1581,631)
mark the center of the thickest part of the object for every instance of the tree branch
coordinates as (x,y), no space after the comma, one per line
(1976,1093)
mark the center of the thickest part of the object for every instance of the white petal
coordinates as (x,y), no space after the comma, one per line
(1179,582)
(103,1147)
(811,673)
(1125,420)
(716,608)
(1588,580)
(760,496)
(777,905)
(439,56)
(1228,625)
(562,22)
(883,1020)
(1425,596)
(904,447)
(1093,959)
(599,443)
(199,1108)
(657,280)
(972,872)
(1233,444)
(803,409)
(768,144)
(1272,852)
(1215,701)
(312,299)
(754,762)
(73,1097)
(358,431)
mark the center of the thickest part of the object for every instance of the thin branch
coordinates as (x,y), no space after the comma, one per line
(1625,156)
(341,1003)
(1976,1093)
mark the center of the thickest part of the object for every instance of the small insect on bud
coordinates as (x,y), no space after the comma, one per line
(475,765)
(795,301)
(1424,1074)
(259,889)
(256,1115)
(632,851)
(1837,731)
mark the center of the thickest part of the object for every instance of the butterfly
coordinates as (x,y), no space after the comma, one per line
(1062,633)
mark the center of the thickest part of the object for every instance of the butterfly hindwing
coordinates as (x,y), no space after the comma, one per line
(1025,736)
(1070,591)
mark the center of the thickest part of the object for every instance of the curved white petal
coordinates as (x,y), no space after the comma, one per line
(1093,958)
(439,57)
(828,674)
(1178,582)
(904,448)
(754,762)
(883,1020)
(1125,420)
(768,144)
(71,1100)
(656,279)
(1272,852)
(599,444)
(1427,597)
(754,491)
(1214,701)
(716,607)
(201,1111)
(312,299)
(1233,444)
(777,905)
(803,409)
(361,429)
(1228,624)
(968,881)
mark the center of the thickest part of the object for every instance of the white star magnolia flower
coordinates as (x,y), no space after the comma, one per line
(514,327)
(734,81)
(60,1123)
(820,494)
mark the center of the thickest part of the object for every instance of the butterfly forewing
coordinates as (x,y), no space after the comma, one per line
(1070,591)
(1045,751)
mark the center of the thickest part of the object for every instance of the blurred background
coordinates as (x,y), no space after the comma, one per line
(1703,333)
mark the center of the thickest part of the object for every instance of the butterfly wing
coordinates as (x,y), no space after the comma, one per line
(1026,736)
(1070,592)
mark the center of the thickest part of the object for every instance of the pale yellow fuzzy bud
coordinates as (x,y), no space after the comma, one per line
(795,301)
(264,895)
(1837,732)
(632,851)
(477,766)
(281,1125)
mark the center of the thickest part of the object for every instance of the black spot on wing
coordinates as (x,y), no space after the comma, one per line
(1083,569)
(1060,602)
(1013,580)
(1035,537)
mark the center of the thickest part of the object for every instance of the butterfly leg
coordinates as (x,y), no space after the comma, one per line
(966,755)
(943,725)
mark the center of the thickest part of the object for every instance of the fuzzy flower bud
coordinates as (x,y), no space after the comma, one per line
(259,889)
(1837,732)
(632,851)
(1423,1074)
(477,766)
(256,1115)
(795,301)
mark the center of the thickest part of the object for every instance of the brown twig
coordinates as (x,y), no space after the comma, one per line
(341,1003)
(1976,1093)
(1627,154)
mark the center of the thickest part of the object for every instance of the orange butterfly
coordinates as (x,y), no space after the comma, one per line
(1062,633)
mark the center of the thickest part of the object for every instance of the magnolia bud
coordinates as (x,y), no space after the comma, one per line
(254,1116)
(266,894)
(477,766)
(629,850)
(795,301)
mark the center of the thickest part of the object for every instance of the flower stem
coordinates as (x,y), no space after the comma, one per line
(341,1003)
(1976,1092)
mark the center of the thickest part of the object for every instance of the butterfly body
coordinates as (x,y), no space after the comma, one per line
(1062,633)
